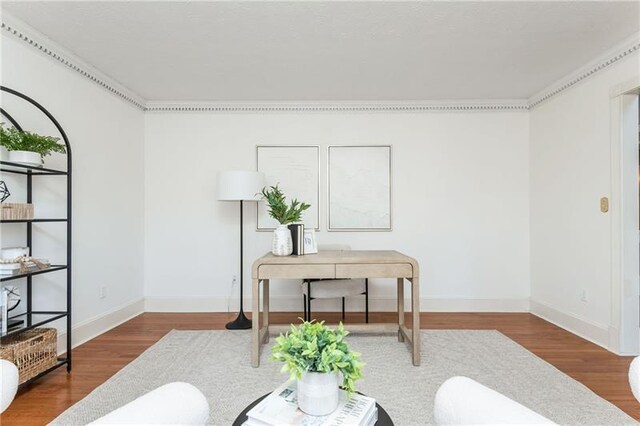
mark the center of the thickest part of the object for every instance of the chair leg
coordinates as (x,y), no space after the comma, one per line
(343,309)
(304,307)
(366,300)
(308,301)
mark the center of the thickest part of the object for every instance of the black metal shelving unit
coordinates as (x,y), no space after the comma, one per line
(37,318)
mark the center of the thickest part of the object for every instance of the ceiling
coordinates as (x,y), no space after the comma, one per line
(333,51)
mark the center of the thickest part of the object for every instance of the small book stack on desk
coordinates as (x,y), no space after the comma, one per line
(281,408)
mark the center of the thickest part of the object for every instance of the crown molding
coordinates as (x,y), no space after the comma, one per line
(43,44)
(315,107)
(621,51)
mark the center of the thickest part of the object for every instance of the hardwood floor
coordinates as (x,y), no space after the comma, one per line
(98,359)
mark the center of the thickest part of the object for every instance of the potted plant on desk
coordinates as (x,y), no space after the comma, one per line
(315,355)
(27,147)
(282,245)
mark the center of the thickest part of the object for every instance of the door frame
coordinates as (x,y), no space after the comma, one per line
(624,336)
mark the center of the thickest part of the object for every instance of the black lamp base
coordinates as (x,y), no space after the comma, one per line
(240,323)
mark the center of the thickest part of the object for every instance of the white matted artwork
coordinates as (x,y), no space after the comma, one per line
(296,169)
(359,189)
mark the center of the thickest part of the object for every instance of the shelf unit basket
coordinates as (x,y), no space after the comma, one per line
(16,211)
(32,351)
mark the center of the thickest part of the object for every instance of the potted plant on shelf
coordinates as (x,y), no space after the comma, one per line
(282,245)
(316,355)
(28,147)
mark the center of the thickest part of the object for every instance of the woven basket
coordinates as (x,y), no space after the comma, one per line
(32,351)
(16,211)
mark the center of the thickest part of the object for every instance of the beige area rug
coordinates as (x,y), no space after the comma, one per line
(218,363)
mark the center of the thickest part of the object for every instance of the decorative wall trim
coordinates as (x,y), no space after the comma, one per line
(595,333)
(315,107)
(93,327)
(58,54)
(623,50)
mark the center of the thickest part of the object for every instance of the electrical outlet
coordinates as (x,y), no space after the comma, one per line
(103,292)
(584,296)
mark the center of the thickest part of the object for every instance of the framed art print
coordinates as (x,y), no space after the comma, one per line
(359,188)
(310,241)
(296,169)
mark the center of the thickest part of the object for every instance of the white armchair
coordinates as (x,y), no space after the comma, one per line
(175,403)
(8,383)
(634,377)
(463,401)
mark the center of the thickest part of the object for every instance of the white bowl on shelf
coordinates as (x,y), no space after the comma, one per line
(13,252)
(26,157)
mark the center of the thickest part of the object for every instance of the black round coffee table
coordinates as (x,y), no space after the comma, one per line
(383,417)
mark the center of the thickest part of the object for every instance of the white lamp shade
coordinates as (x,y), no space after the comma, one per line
(240,185)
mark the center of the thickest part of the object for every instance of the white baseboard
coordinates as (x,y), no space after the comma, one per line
(86,330)
(93,327)
(294,303)
(595,333)
(474,305)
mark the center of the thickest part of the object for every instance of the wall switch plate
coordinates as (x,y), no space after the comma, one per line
(103,292)
(604,204)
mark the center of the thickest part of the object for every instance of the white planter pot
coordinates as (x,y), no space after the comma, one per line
(26,157)
(282,244)
(318,393)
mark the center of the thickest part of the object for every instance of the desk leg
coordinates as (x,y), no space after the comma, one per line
(400,308)
(415,310)
(255,330)
(265,308)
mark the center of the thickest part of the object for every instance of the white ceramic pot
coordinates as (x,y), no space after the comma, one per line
(282,244)
(318,393)
(26,157)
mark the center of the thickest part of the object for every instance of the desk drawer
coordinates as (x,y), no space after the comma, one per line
(297,271)
(399,270)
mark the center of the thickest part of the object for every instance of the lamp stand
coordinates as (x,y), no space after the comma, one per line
(241,322)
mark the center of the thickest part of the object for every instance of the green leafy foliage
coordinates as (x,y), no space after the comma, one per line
(278,208)
(314,347)
(15,140)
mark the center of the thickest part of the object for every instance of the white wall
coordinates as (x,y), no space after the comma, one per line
(460,204)
(571,240)
(106,136)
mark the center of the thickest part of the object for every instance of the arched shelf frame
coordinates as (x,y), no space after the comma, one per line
(50,116)
(31,318)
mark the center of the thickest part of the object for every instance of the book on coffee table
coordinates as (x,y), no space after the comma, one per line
(281,408)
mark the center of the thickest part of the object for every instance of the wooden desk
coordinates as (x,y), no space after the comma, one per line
(338,264)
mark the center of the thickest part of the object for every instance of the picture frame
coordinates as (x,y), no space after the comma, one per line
(296,169)
(359,188)
(310,242)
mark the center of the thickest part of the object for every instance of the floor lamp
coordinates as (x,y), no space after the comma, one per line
(240,186)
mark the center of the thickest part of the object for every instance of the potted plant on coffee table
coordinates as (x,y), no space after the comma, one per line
(316,356)
(28,147)
(282,245)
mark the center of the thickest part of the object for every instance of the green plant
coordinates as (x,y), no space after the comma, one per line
(278,208)
(314,347)
(16,140)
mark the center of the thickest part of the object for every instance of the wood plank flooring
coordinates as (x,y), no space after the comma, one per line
(98,359)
